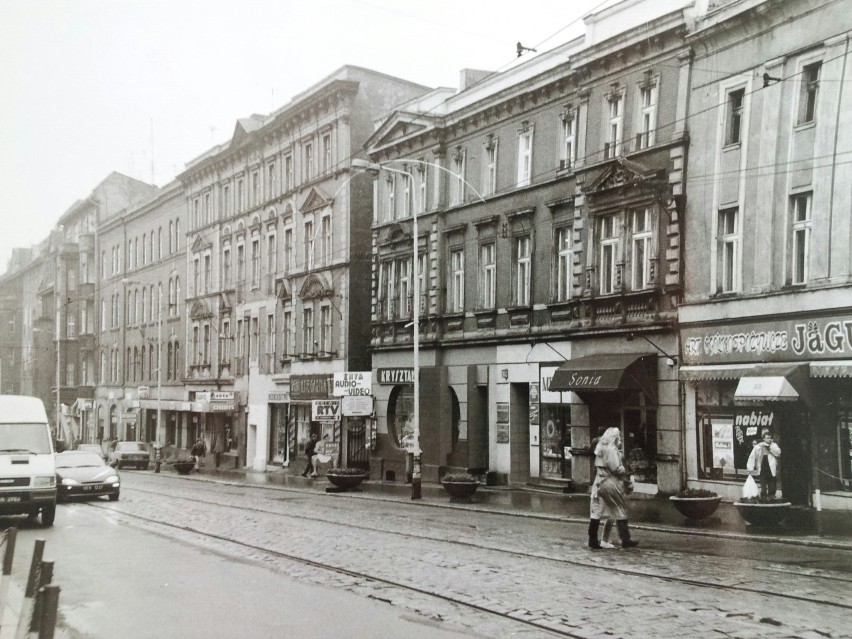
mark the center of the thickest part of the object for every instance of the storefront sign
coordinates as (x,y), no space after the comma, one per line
(356,406)
(395,375)
(352,383)
(278,397)
(534,399)
(819,338)
(748,428)
(143,392)
(202,396)
(222,407)
(325,409)
(222,396)
(309,386)
(502,412)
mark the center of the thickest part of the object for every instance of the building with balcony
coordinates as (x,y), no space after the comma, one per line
(549,200)
(278,270)
(766,319)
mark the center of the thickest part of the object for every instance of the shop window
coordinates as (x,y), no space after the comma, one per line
(400,412)
(640,436)
(716,433)
(555,439)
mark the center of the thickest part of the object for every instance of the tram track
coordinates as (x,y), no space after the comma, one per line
(518,554)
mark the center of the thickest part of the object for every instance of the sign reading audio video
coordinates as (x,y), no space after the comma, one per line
(354,383)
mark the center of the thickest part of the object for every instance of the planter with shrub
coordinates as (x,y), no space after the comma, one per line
(696,503)
(460,486)
(763,511)
(346,478)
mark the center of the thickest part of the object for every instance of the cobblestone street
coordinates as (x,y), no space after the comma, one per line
(533,571)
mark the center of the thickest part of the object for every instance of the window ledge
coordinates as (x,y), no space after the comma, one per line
(803,126)
(731,146)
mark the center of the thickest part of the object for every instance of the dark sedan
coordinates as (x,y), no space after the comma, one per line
(84,474)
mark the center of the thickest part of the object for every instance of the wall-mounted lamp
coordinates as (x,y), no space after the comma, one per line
(521,48)
(504,373)
(672,359)
(768,78)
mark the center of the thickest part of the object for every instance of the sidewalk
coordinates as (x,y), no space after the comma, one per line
(646,512)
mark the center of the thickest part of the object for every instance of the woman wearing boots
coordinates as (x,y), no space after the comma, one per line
(608,489)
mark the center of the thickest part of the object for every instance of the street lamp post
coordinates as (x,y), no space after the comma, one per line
(375,168)
(416,475)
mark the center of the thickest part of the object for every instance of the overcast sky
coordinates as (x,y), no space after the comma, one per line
(143,86)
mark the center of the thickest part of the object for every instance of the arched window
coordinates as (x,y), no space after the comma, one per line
(400,412)
(177,359)
(144,349)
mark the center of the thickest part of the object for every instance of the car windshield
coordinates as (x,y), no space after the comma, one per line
(130,447)
(24,438)
(78,460)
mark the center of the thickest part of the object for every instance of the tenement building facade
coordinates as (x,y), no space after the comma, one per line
(278,267)
(549,203)
(766,324)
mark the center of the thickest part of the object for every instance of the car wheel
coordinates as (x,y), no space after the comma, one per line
(48,515)
(113,496)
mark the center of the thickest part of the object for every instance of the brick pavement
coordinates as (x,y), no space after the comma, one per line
(549,576)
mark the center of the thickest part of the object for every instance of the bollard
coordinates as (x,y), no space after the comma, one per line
(44,578)
(9,550)
(9,538)
(49,611)
(38,553)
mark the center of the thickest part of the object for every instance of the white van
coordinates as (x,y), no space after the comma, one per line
(27,463)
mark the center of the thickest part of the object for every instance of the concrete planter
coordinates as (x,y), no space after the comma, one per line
(183,467)
(771,514)
(460,490)
(345,482)
(696,507)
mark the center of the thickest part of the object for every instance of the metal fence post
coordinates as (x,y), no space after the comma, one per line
(38,553)
(49,609)
(8,543)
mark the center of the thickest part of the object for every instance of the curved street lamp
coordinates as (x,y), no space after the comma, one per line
(375,168)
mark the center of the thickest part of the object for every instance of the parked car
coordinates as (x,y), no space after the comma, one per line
(83,473)
(130,454)
(94,448)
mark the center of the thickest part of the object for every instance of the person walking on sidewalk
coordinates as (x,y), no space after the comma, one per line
(310,451)
(608,489)
(198,450)
(764,460)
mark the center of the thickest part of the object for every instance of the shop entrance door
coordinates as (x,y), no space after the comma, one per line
(357,452)
(793,437)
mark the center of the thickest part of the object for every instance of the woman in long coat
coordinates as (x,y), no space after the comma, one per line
(607,499)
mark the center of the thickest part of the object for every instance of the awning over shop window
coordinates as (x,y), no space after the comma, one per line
(606,372)
(714,372)
(773,383)
(836,368)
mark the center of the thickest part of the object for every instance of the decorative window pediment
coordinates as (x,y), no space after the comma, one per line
(283,291)
(315,287)
(199,245)
(200,310)
(623,173)
(315,201)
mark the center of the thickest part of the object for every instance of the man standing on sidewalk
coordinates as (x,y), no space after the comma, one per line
(310,451)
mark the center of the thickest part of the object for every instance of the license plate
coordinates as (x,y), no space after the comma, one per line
(93,488)
(9,499)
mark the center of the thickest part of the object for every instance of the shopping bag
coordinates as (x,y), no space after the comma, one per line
(750,488)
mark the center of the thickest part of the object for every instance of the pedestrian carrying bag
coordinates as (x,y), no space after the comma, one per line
(750,488)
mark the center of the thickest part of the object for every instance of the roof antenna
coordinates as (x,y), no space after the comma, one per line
(522,48)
